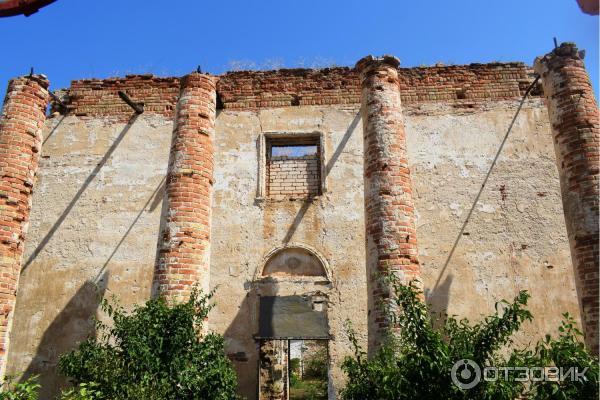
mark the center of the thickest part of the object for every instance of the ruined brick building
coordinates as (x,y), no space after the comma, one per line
(288,191)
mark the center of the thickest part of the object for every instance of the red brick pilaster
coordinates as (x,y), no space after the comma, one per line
(184,247)
(575,127)
(389,210)
(21,124)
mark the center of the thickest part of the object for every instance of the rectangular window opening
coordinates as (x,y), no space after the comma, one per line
(293,151)
(293,167)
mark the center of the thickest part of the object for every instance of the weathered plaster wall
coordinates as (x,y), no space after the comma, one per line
(95,220)
(97,207)
(245,229)
(516,238)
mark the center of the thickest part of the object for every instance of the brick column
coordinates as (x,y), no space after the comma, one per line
(21,124)
(184,247)
(575,128)
(389,210)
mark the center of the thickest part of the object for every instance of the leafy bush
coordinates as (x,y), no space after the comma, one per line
(316,365)
(566,351)
(294,371)
(27,390)
(416,362)
(157,351)
(83,391)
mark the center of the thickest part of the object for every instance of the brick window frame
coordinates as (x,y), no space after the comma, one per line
(264,144)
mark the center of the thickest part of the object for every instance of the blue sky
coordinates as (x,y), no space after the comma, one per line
(74,39)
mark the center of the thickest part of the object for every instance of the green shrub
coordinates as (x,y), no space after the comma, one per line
(26,390)
(157,351)
(316,365)
(566,352)
(416,362)
(294,371)
(83,391)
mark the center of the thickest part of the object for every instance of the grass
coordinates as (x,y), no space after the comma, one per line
(308,390)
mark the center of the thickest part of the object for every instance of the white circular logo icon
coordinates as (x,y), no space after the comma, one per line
(465,374)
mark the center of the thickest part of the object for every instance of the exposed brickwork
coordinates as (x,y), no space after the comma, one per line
(184,249)
(389,210)
(96,97)
(288,87)
(574,115)
(295,87)
(257,89)
(21,125)
(293,176)
(456,83)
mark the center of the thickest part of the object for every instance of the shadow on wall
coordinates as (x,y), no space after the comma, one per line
(155,198)
(296,222)
(160,196)
(328,167)
(438,299)
(72,325)
(342,145)
(49,135)
(79,193)
(240,346)
(75,322)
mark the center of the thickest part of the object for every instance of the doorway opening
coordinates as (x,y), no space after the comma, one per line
(293,354)
(293,369)
(293,330)
(308,369)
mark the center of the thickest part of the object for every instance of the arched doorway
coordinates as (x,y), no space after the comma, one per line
(293,331)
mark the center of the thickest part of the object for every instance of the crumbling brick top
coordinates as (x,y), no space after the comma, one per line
(289,87)
(99,97)
(247,90)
